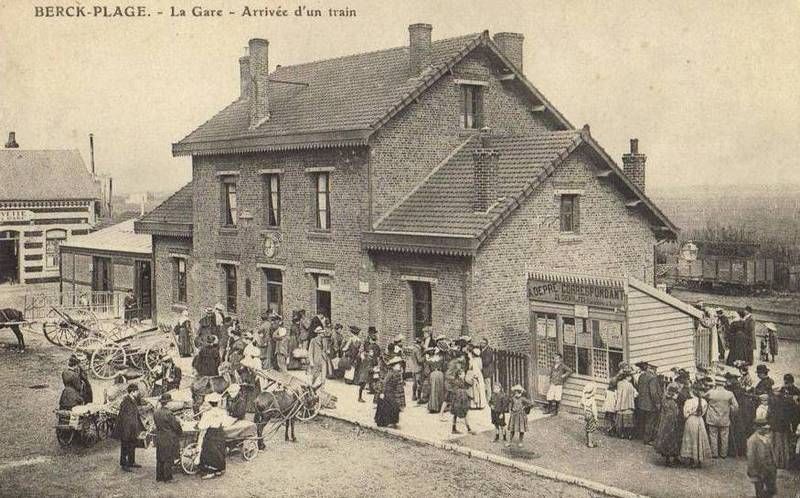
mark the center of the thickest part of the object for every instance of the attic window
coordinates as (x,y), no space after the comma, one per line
(570,213)
(472,107)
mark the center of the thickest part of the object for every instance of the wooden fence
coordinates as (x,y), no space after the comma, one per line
(511,368)
(702,347)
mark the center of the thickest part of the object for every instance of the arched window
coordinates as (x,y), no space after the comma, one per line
(54,238)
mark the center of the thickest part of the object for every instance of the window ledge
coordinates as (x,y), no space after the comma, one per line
(228,230)
(319,234)
(270,229)
(468,132)
(569,238)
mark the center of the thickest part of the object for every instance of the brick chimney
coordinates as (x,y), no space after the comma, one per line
(485,159)
(633,164)
(244,75)
(259,71)
(12,141)
(510,44)
(419,48)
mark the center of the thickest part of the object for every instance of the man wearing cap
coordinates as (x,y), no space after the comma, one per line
(648,402)
(168,376)
(168,436)
(761,467)
(127,428)
(765,383)
(721,405)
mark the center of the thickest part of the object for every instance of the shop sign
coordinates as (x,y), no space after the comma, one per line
(15,215)
(572,293)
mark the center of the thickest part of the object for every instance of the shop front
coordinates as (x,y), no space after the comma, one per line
(596,323)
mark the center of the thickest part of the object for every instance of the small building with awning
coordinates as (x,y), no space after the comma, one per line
(596,323)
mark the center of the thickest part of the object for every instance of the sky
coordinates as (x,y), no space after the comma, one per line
(709,88)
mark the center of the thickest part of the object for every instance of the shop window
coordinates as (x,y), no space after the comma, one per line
(421,305)
(101,274)
(472,111)
(592,347)
(179,280)
(570,211)
(322,200)
(322,294)
(546,340)
(230,206)
(273,290)
(272,187)
(53,241)
(229,277)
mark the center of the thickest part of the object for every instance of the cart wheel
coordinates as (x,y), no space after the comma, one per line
(188,456)
(309,407)
(65,437)
(152,357)
(108,360)
(249,449)
(86,347)
(60,333)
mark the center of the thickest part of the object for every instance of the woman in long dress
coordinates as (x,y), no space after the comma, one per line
(695,446)
(669,437)
(183,331)
(211,460)
(436,380)
(475,377)
(392,399)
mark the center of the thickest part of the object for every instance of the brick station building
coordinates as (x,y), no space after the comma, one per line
(410,186)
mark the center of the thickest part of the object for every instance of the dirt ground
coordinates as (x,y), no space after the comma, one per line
(330,458)
(558,443)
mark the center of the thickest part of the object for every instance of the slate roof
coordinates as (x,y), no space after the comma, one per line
(442,204)
(341,102)
(36,175)
(116,238)
(173,217)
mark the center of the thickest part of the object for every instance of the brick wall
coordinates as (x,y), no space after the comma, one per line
(165,309)
(425,133)
(613,241)
(300,245)
(392,295)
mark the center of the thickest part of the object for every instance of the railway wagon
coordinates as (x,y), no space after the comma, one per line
(733,266)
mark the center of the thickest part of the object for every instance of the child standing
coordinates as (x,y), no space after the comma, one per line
(589,413)
(499,405)
(519,407)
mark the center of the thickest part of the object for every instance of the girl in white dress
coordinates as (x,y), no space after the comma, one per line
(478,382)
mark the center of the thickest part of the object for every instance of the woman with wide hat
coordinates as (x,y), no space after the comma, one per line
(392,399)
(206,363)
(435,362)
(669,435)
(211,460)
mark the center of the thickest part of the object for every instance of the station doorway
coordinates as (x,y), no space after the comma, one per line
(9,257)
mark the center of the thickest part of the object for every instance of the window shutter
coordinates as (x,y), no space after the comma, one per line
(576,214)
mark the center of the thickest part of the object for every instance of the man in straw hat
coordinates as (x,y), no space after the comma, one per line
(168,436)
(761,467)
(721,405)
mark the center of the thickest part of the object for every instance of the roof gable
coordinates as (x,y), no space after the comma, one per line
(337,102)
(44,175)
(441,205)
(173,217)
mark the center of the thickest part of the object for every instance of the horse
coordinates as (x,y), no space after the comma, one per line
(283,404)
(11,318)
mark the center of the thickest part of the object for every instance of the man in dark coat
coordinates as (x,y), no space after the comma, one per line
(722,333)
(649,401)
(131,307)
(739,347)
(84,387)
(750,332)
(70,396)
(168,436)
(128,427)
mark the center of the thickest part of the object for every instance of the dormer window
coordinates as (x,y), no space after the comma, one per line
(472,111)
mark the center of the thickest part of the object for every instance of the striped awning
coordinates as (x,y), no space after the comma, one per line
(569,278)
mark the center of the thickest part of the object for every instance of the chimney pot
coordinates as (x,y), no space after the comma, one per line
(633,164)
(257,89)
(419,47)
(12,141)
(511,45)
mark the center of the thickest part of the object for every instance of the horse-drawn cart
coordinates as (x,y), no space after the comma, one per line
(142,350)
(241,436)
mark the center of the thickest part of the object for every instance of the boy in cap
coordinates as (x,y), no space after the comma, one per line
(558,374)
(761,467)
